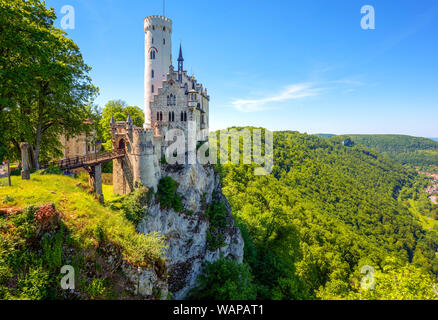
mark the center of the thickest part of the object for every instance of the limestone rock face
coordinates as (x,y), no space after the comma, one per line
(186,232)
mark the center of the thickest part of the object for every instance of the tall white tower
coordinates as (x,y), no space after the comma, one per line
(158,58)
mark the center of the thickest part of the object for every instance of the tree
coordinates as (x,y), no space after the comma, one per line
(225,280)
(45,83)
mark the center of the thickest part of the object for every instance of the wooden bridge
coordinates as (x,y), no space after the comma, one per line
(92,163)
(90,160)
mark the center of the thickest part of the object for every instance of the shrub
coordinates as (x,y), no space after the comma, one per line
(135,205)
(34,285)
(51,170)
(217,215)
(225,279)
(8,199)
(96,288)
(52,249)
(167,195)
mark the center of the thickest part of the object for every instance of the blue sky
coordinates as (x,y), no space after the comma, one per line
(285,65)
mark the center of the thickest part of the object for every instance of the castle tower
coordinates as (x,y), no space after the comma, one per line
(158,58)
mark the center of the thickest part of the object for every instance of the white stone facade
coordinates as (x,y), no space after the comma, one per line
(172,99)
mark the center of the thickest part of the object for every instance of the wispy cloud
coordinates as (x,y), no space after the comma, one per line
(291,92)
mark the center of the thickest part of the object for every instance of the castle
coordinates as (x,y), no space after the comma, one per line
(172,99)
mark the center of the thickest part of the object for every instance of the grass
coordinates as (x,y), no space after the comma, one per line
(426,222)
(82,214)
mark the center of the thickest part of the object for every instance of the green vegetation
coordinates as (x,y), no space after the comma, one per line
(168,196)
(45,88)
(225,280)
(134,205)
(32,252)
(415,151)
(216,214)
(324,212)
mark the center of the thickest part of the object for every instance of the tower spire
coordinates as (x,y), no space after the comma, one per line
(180,63)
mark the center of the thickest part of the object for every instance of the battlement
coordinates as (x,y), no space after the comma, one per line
(157,22)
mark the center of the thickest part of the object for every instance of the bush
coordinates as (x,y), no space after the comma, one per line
(8,199)
(167,195)
(96,288)
(34,285)
(217,216)
(135,205)
(225,280)
(51,170)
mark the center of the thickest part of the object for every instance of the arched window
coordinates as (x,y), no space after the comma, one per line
(161,116)
(153,89)
(158,116)
(152,73)
(164,28)
(152,54)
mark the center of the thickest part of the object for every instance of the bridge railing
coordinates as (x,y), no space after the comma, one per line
(81,161)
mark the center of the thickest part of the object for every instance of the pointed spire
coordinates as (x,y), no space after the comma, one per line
(180,58)
(180,64)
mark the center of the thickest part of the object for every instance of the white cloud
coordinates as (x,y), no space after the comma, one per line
(291,92)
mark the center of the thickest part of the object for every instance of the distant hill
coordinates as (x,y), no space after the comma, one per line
(326,210)
(416,151)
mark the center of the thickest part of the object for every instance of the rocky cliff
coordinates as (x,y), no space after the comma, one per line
(187,233)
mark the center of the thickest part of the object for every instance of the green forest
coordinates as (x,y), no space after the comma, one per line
(416,151)
(326,212)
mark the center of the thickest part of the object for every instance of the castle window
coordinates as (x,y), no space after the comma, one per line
(171,100)
(164,28)
(153,73)
(152,40)
(182,116)
(185,116)
(158,116)
(153,89)
(153,27)
(161,116)
(164,41)
(152,54)
(173,116)
(170,116)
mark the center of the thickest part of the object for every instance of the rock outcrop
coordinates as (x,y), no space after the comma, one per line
(186,232)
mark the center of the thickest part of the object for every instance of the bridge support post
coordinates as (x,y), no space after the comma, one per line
(95,181)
